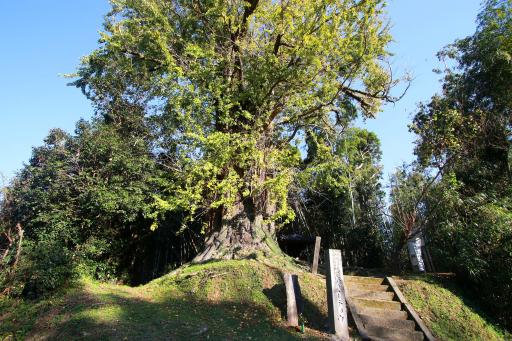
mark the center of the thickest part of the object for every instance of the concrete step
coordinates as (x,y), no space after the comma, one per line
(382,318)
(380,295)
(383,333)
(364,280)
(383,313)
(376,303)
(387,322)
(364,286)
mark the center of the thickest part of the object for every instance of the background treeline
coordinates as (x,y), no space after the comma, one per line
(84,204)
(459,192)
(339,197)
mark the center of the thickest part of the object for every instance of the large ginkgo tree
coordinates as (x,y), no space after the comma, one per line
(228,88)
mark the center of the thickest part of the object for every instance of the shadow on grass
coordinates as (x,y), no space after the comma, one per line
(114,316)
(315,319)
(19,315)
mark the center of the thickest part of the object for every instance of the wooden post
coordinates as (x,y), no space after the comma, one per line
(291,302)
(316,255)
(337,306)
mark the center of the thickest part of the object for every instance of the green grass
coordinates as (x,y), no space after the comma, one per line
(447,311)
(17,316)
(229,300)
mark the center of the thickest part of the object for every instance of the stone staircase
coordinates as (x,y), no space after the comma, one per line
(378,312)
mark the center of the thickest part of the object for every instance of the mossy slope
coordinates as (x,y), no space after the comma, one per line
(448,313)
(228,300)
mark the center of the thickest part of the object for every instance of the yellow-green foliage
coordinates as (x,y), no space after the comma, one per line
(232,83)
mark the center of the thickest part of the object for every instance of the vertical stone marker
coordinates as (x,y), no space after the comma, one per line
(292,313)
(338,322)
(316,255)
(414,245)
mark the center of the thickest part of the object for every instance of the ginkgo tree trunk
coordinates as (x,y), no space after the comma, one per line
(228,88)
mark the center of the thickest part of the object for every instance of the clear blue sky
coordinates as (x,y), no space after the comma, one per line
(43,39)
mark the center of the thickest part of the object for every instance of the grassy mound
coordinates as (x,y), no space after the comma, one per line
(447,311)
(228,300)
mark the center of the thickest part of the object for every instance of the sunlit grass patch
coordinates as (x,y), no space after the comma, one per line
(242,299)
(447,311)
